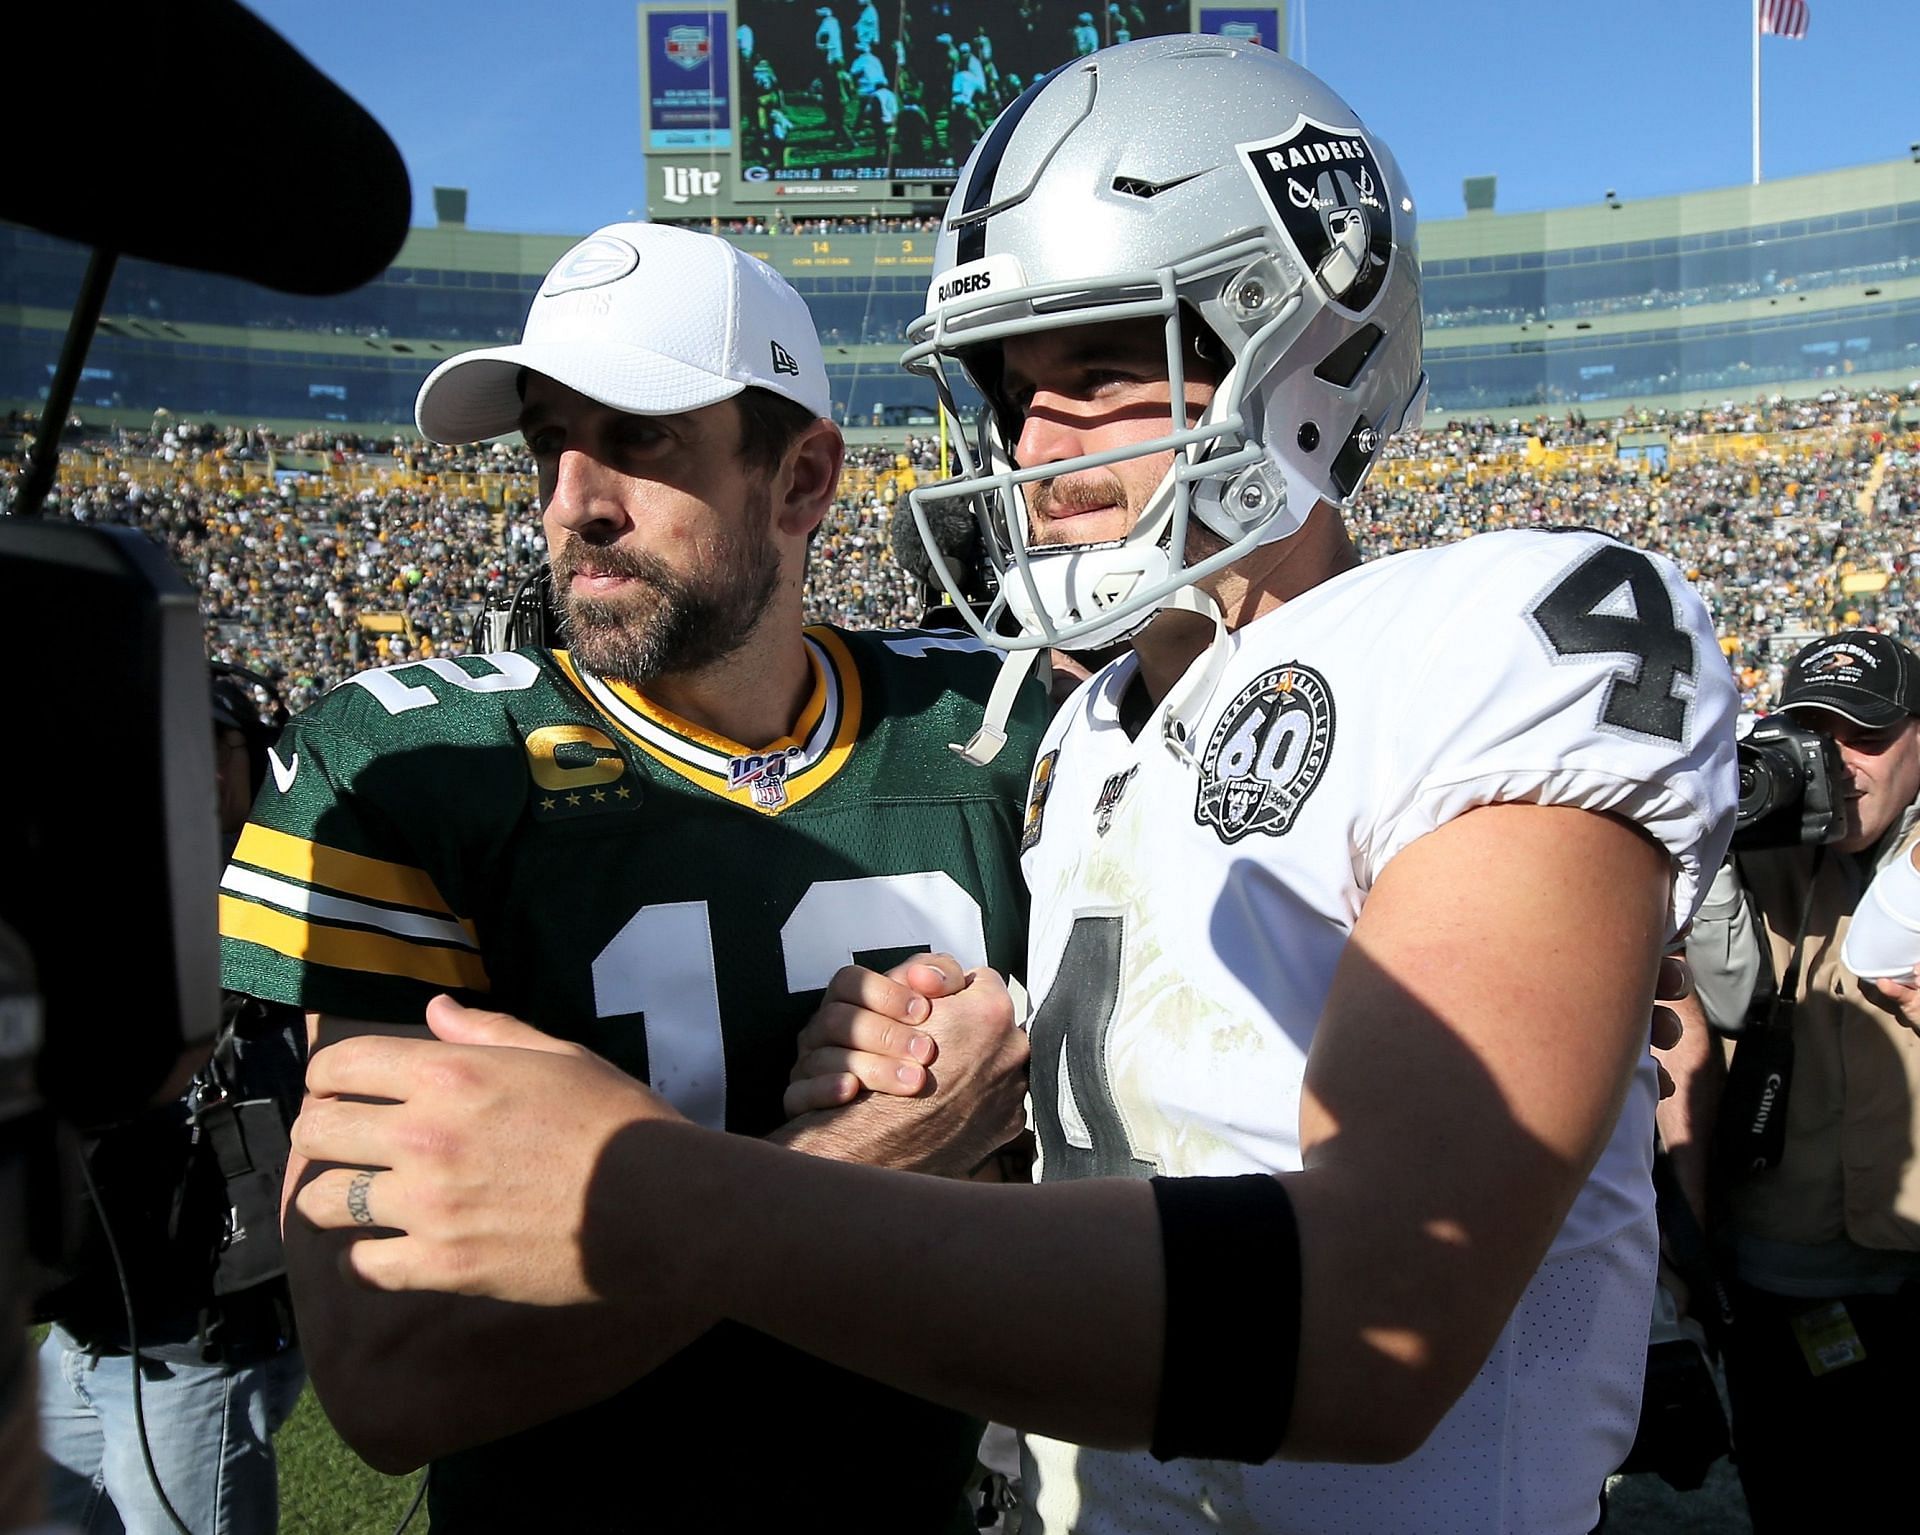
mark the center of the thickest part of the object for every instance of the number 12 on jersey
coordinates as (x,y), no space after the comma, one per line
(661,965)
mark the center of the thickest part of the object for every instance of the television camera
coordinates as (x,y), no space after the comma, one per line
(109,854)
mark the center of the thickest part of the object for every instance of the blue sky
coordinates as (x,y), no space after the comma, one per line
(534,107)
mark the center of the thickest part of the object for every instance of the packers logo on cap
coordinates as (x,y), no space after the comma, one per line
(596,260)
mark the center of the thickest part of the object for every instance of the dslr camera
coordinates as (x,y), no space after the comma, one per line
(1791,787)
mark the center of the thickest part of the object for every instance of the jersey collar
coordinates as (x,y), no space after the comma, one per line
(809,755)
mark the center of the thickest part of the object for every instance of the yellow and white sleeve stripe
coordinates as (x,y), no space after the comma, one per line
(323,906)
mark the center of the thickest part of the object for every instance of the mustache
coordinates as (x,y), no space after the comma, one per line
(1081,493)
(577,557)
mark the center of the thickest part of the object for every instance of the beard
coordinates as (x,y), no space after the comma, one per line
(667,622)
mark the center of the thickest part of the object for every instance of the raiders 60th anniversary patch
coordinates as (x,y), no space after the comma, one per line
(1267,754)
(1328,194)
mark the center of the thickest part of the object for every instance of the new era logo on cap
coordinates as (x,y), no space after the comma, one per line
(644,318)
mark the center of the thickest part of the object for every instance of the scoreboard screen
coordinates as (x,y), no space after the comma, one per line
(901,90)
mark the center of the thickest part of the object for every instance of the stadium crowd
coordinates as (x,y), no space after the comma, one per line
(1441,314)
(1792,516)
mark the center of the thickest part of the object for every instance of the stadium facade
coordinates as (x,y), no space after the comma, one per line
(1790,287)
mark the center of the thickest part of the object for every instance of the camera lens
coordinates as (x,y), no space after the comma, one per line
(1760,788)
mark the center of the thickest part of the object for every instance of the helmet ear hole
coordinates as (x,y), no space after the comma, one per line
(1342,365)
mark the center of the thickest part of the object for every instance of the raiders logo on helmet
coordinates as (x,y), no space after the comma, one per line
(1328,197)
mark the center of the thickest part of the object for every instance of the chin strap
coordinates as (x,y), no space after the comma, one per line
(1184,704)
(986,742)
(1190,695)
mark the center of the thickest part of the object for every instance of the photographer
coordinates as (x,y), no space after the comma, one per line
(189,1193)
(1819,1214)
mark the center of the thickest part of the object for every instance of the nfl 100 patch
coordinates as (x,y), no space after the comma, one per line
(1328,193)
(1267,754)
(765,774)
(1111,793)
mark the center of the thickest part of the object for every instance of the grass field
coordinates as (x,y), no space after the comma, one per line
(325,1489)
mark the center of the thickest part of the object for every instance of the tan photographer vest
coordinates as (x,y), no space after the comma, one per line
(1852,1163)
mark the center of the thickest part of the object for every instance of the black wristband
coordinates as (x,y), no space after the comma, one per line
(1232,1256)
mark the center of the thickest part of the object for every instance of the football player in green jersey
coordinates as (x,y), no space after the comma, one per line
(660,844)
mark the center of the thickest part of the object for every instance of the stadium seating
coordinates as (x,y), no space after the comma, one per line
(318,555)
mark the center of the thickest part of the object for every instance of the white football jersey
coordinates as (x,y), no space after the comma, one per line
(1188,915)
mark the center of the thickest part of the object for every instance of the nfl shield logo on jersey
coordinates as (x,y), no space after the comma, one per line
(765,773)
(1267,754)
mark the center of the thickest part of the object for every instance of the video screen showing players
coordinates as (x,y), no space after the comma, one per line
(862,91)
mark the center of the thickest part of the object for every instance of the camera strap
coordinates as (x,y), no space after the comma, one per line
(1752,1132)
(1787,994)
(249,1139)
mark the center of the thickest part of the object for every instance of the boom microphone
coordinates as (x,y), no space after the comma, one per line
(203,73)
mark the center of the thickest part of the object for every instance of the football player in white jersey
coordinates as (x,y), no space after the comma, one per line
(1350,885)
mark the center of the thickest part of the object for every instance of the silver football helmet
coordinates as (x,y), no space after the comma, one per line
(1211,184)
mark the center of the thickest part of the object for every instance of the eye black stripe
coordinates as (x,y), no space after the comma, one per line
(973,238)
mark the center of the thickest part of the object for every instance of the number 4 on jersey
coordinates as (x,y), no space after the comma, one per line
(1082,1133)
(1614,603)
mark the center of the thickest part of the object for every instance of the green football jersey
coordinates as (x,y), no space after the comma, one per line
(528,836)
(533,838)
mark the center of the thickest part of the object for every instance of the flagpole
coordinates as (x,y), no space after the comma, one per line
(1756,92)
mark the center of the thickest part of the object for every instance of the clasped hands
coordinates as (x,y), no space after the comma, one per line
(488,1141)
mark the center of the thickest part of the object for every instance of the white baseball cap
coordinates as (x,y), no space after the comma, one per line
(647,319)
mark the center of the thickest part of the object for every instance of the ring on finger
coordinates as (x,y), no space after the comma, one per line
(357,1198)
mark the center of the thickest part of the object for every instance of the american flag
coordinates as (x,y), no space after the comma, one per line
(1783,18)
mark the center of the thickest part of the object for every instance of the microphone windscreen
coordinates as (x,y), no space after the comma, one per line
(308,193)
(953,528)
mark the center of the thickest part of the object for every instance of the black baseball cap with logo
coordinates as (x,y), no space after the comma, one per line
(1871,679)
